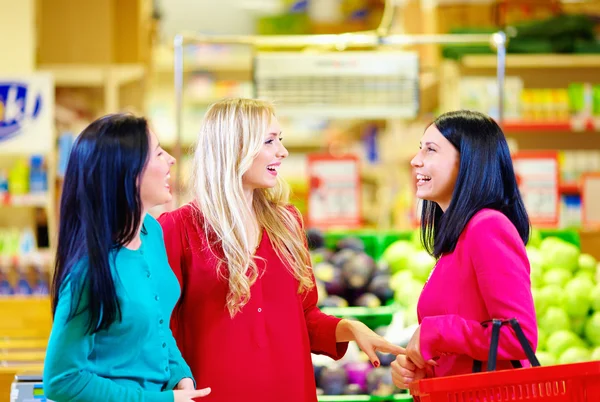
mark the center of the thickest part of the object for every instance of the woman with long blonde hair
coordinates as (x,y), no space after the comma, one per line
(247,320)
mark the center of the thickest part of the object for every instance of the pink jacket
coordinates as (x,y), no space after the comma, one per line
(487,276)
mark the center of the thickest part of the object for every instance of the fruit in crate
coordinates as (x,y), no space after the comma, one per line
(315,239)
(379,382)
(397,255)
(331,277)
(333,380)
(350,243)
(567,301)
(346,275)
(358,270)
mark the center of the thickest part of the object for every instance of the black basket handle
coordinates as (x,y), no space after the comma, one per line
(493,353)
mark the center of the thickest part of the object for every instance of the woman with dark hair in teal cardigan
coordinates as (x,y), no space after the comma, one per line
(113,290)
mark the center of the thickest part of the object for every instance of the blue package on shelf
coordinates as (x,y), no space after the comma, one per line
(65,144)
(38,177)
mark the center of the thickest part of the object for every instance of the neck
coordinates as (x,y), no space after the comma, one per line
(136,242)
(249,195)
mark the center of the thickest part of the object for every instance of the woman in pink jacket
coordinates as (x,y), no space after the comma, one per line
(474,222)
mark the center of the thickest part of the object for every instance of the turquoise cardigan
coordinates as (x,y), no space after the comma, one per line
(136,359)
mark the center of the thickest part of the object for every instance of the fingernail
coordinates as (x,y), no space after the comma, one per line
(376,364)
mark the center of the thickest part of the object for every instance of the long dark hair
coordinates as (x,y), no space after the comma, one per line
(486,179)
(100,212)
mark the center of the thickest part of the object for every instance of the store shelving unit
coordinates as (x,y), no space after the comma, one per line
(109,78)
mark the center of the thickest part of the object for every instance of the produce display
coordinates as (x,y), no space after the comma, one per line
(566,294)
(357,279)
(378,277)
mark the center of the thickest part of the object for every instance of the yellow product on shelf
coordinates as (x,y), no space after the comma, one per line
(18,178)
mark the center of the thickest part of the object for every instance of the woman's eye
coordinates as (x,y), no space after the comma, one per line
(269,142)
(430,149)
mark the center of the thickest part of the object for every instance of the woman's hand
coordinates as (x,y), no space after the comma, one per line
(187,395)
(186,383)
(413,351)
(367,340)
(405,371)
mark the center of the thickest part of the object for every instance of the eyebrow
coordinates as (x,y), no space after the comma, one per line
(275,134)
(430,143)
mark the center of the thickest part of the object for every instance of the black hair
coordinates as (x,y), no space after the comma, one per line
(486,179)
(100,212)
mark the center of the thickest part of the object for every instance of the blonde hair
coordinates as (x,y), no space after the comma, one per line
(231,136)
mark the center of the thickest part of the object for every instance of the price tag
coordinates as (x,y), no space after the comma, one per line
(334,191)
(537,173)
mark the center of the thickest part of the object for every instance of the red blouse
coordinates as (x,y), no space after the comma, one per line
(263,353)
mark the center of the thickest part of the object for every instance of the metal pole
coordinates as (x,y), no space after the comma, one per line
(500,42)
(178,68)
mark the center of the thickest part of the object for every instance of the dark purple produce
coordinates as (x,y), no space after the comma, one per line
(315,238)
(358,271)
(352,243)
(333,380)
(379,382)
(368,300)
(340,257)
(380,287)
(320,255)
(331,277)
(334,301)
(383,268)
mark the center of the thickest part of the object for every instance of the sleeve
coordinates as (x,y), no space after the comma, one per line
(67,375)
(172,235)
(179,368)
(321,326)
(501,266)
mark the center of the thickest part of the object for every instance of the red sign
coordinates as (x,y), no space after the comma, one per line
(334,196)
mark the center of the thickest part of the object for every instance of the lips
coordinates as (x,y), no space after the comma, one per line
(422,179)
(273,168)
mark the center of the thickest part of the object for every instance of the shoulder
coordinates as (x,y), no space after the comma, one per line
(295,213)
(490,222)
(179,217)
(151,224)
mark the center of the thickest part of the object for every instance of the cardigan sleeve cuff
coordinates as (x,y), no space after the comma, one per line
(428,340)
(178,373)
(323,341)
(165,396)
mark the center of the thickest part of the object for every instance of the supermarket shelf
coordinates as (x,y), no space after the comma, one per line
(364,398)
(534,61)
(570,188)
(347,112)
(546,126)
(40,200)
(78,75)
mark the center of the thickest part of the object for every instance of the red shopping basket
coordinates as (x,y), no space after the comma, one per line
(579,382)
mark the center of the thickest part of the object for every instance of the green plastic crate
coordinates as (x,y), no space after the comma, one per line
(369,237)
(371,317)
(376,242)
(571,236)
